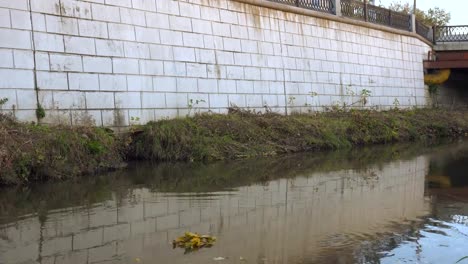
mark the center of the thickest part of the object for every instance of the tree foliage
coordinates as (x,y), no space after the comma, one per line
(433,17)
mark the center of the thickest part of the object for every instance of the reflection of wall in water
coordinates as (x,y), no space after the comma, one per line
(282,220)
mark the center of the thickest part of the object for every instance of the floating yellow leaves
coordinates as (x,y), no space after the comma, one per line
(193,241)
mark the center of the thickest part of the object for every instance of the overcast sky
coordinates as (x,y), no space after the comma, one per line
(457,8)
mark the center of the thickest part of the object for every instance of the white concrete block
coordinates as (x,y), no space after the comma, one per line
(5,20)
(193,40)
(136,50)
(187,85)
(225,57)
(83,81)
(227,86)
(252,73)
(77,9)
(184,54)
(151,67)
(133,17)
(42,61)
(9,94)
(128,66)
(19,4)
(99,100)
(52,80)
(23,59)
(121,32)
(147,5)
(48,42)
(20,19)
(12,38)
(254,101)
(60,62)
(62,25)
(211,12)
(176,100)
(201,26)
(105,13)
(7,58)
(153,100)
(80,45)
(231,44)
(168,7)
(97,64)
(157,20)
(147,35)
(219,100)
(165,84)
(170,37)
(112,48)
(174,69)
(69,100)
(108,82)
(90,28)
(26,99)
(139,83)
(115,118)
(249,46)
(221,29)
(245,87)
(161,52)
(208,85)
(196,70)
(180,23)
(128,100)
(235,72)
(10,78)
(43,6)
(189,10)
(205,56)
(238,100)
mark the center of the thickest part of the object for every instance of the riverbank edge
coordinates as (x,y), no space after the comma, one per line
(31,153)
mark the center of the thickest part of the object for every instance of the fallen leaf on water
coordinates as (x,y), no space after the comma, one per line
(218,258)
(193,241)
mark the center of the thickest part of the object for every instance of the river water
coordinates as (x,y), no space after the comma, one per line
(392,204)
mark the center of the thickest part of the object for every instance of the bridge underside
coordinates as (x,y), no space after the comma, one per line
(448,60)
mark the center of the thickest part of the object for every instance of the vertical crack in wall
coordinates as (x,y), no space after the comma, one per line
(33,48)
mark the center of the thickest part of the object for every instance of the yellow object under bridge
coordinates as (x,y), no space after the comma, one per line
(437,77)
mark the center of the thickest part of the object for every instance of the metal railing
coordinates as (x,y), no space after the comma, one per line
(327,6)
(424,31)
(374,14)
(450,34)
(363,11)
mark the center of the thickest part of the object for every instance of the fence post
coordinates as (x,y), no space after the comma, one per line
(366,18)
(338,7)
(434,34)
(390,18)
(413,23)
(297,2)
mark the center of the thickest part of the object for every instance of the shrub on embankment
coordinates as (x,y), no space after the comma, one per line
(31,152)
(243,134)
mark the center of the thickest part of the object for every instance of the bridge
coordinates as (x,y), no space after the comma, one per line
(450,48)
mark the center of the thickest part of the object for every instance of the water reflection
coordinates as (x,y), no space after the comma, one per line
(360,206)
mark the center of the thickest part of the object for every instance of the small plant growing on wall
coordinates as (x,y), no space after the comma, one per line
(40,112)
(192,103)
(3,101)
(433,93)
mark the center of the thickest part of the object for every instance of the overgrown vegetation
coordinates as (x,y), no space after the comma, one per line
(30,152)
(244,134)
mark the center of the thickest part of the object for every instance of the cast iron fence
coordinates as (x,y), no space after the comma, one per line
(327,6)
(374,14)
(451,34)
(424,31)
(360,10)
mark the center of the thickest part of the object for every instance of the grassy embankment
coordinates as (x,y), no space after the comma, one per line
(35,152)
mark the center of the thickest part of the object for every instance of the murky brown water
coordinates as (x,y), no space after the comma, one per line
(395,204)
